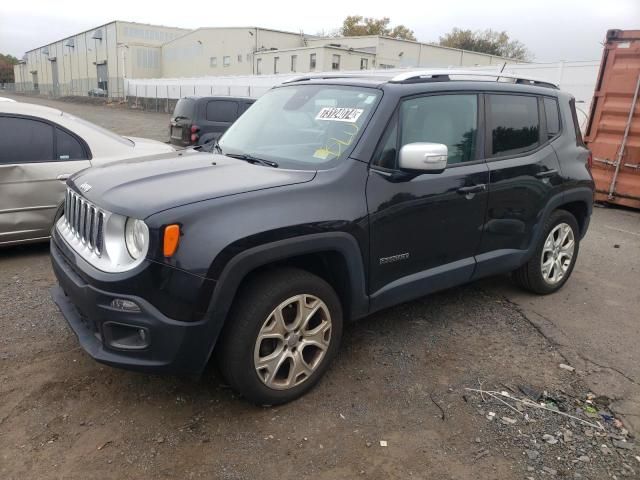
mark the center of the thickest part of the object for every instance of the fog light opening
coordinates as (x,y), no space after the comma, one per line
(125,305)
(125,337)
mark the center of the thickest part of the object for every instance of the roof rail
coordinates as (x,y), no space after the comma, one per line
(418,76)
(320,76)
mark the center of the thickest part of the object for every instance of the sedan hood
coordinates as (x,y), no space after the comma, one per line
(141,187)
(150,147)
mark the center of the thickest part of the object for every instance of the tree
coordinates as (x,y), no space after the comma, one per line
(486,41)
(6,68)
(358,26)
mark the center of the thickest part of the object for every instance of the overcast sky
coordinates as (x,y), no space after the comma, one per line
(551,29)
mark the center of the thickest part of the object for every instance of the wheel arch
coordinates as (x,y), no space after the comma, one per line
(577,201)
(333,256)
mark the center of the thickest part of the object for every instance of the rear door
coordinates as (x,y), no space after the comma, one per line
(36,158)
(524,175)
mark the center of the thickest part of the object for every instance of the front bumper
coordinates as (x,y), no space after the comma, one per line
(171,346)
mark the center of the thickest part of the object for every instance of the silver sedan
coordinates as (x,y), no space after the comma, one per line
(40,147)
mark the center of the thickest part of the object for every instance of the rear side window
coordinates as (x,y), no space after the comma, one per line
(68,147)
(222,111)
(23,140)
(184,109)
(576,123)
(513,124)
(552,116)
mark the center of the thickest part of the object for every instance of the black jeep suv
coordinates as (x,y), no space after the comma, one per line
(330,199)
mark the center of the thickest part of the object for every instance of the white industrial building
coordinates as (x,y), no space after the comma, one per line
(262,51)
(98,58)
(104,56)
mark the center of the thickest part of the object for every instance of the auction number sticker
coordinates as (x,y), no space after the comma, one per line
(339,114)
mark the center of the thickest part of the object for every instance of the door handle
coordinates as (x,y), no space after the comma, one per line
(472,189)
(63,177)
(547,173)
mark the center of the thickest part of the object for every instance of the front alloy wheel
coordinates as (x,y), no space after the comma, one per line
(281,335)
(292,342)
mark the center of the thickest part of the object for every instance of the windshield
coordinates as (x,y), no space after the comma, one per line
(302,126)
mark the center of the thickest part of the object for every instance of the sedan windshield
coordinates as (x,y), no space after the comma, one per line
(302,126)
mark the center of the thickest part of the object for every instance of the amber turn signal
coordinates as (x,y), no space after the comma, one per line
(171,239)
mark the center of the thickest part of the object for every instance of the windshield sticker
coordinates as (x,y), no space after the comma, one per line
(335,145)
(339,114)
(322,153)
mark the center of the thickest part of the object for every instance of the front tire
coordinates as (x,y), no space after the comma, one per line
(554,258)
(281,335)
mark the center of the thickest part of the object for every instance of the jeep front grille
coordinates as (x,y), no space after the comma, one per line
(85,220)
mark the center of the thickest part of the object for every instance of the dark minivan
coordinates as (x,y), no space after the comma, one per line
(200,120)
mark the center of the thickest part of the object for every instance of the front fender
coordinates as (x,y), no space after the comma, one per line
(236,270)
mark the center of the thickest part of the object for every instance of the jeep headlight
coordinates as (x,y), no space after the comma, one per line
(136,237)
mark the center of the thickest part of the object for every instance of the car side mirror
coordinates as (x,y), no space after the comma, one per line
(424,157)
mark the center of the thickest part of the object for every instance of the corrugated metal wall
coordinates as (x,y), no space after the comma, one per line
(613,134)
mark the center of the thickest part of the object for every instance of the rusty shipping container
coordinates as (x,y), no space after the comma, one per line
(613,132)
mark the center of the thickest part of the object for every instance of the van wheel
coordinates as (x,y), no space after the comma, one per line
(555,256)
(281,335)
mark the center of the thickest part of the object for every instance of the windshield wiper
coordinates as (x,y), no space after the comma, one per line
(251,159)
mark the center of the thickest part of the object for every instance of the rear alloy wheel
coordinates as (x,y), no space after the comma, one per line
(554,257)
(557,253)
(282,333)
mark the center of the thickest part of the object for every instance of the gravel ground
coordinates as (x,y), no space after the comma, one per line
(394,404)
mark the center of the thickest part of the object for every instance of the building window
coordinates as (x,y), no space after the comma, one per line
(259,66)
(335,62)
(294,62)
(384,66)
(276,60)
(240,58)
(364,63)
(312,61)
(248,57)
(226,61)
(213,62)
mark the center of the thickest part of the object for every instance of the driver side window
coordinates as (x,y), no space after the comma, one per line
(448,119)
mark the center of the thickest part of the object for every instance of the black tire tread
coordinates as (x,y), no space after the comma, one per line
(254,298)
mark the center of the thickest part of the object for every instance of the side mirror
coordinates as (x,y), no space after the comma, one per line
(424,157)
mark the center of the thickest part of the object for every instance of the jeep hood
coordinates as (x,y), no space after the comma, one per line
(143,186)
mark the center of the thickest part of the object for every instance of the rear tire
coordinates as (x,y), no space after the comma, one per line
(281,335)
(554,258)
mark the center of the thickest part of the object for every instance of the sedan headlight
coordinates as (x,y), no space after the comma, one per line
(136,236)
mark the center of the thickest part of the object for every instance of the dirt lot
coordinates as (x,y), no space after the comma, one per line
(400,377)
